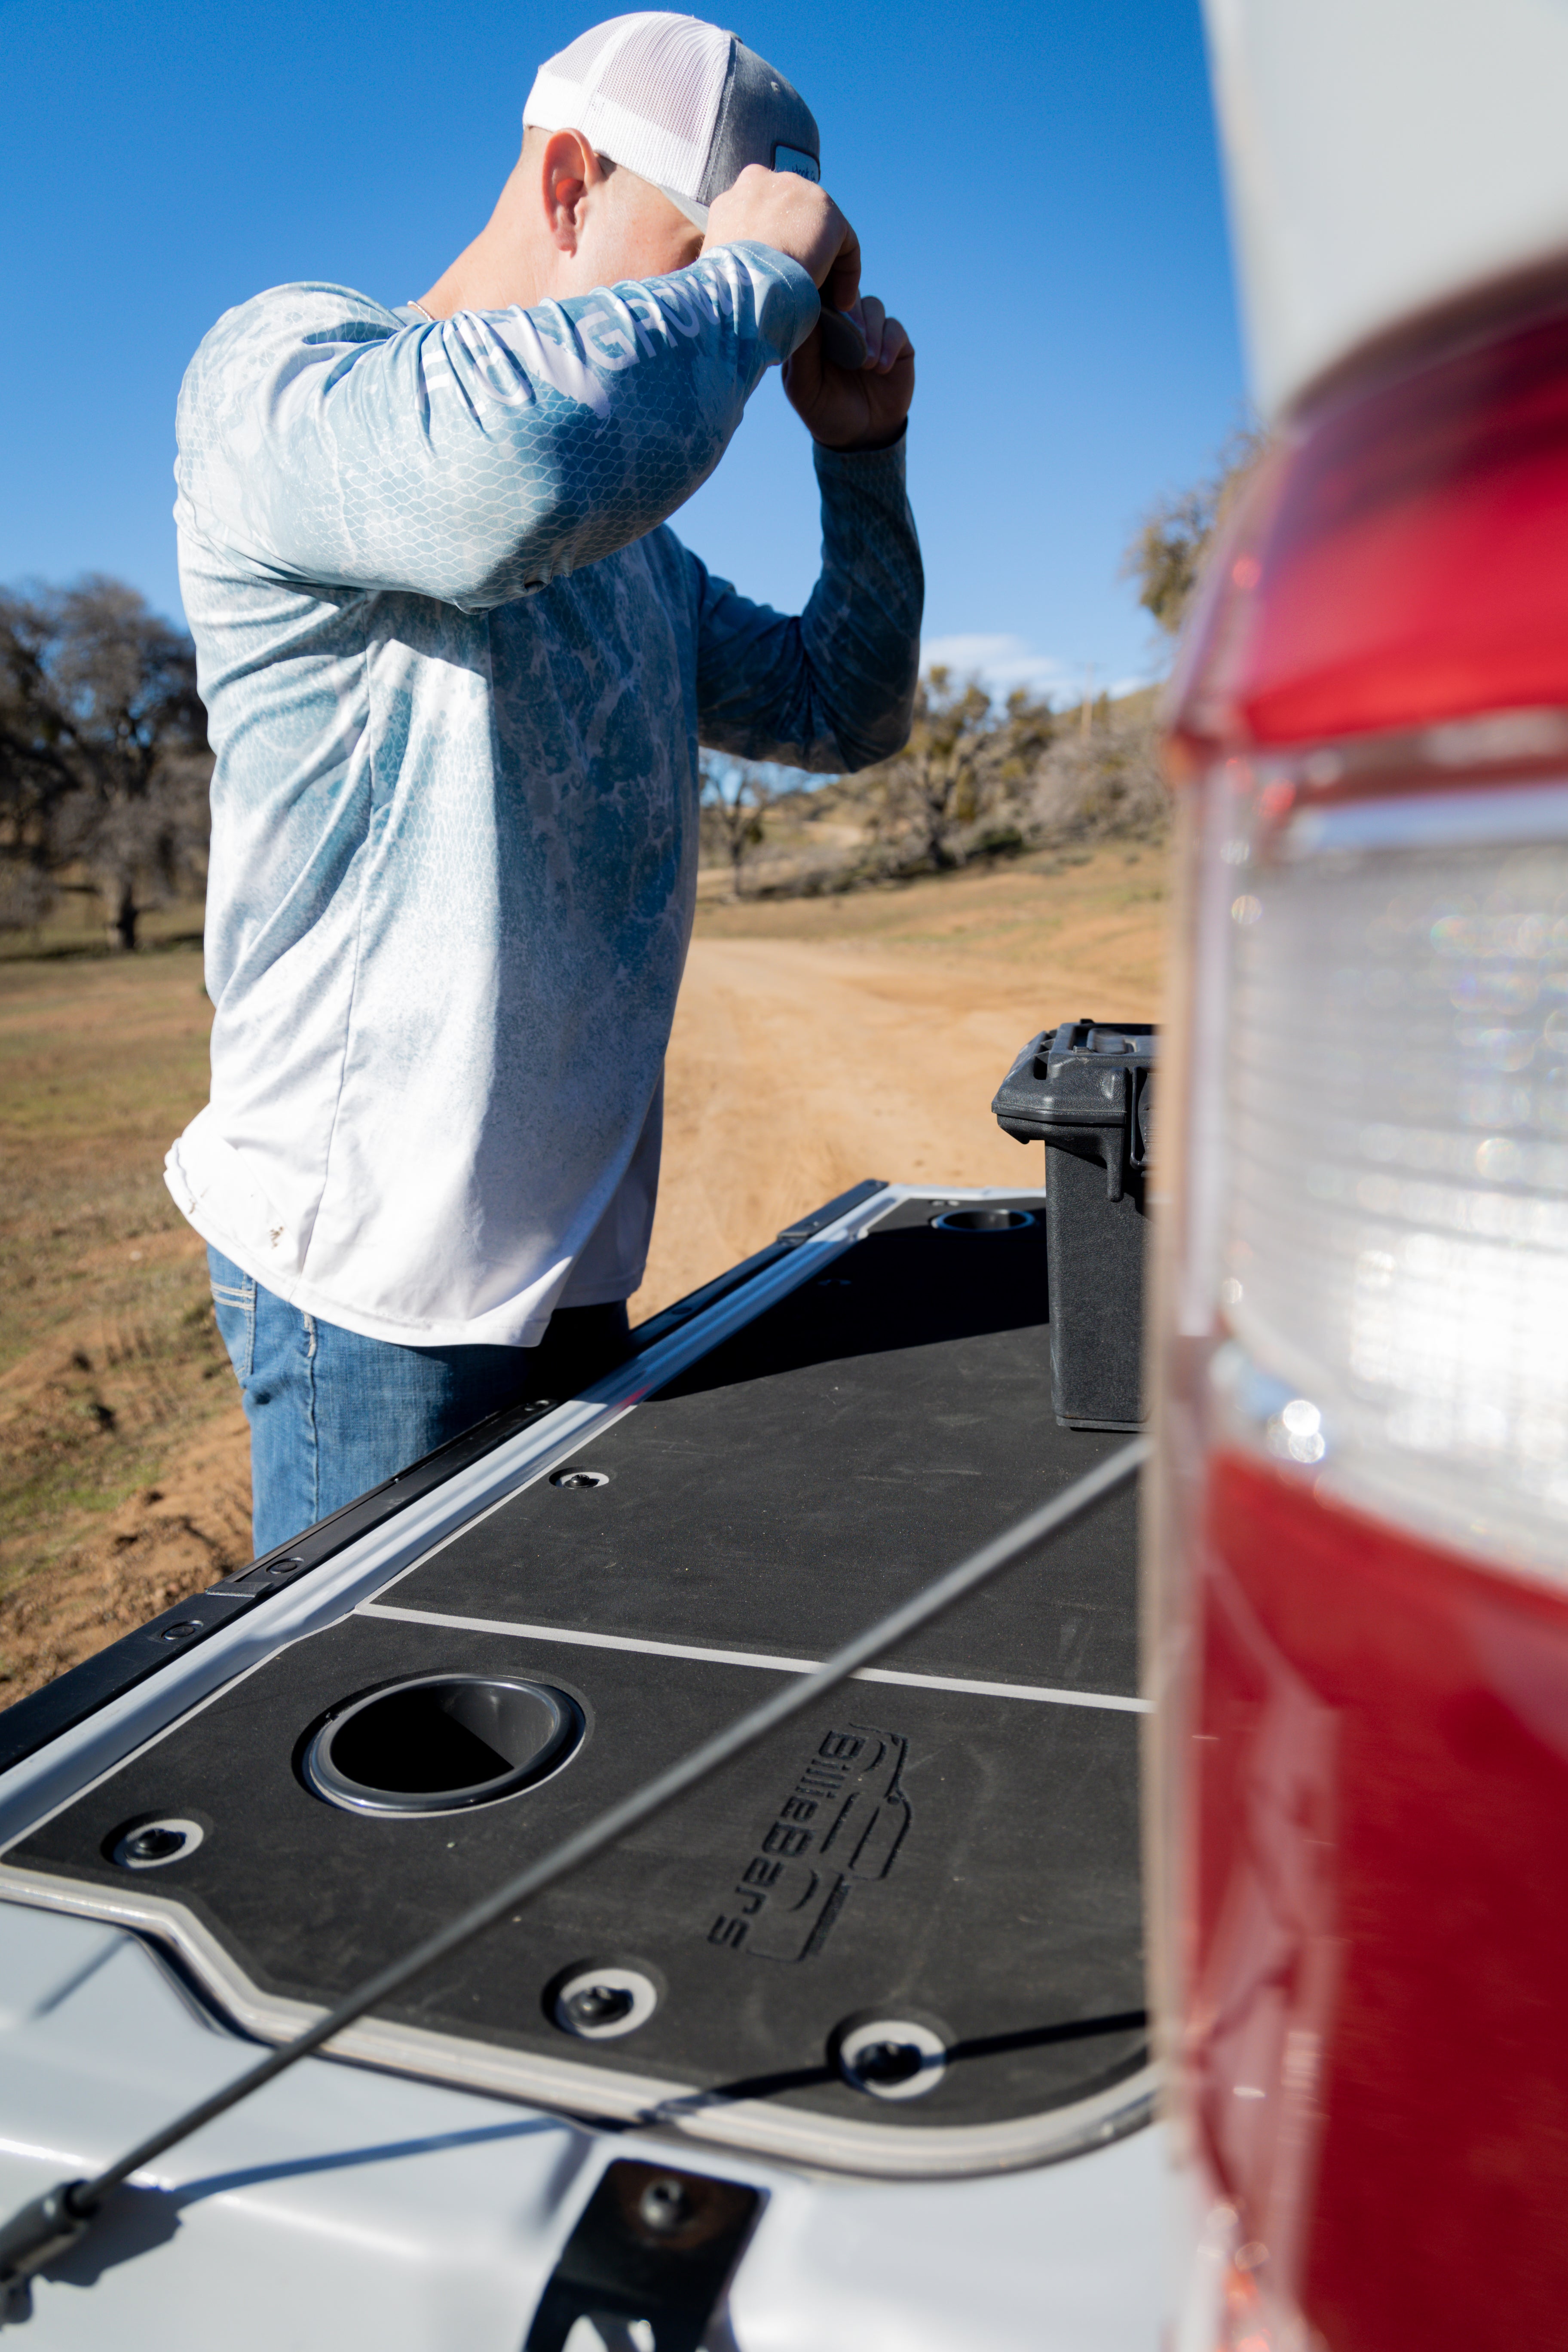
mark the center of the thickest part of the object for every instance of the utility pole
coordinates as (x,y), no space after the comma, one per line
(1086,717)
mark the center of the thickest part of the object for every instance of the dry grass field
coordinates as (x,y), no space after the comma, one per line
(817,1040)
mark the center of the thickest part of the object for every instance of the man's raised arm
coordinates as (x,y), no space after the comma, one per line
(476,458)
(834,690)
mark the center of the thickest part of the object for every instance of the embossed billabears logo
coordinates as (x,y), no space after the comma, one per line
(844,1821)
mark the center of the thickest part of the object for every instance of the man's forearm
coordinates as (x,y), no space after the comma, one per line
(834,689)
(861,629)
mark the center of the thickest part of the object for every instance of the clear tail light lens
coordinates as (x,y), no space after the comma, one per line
(1361,1639)
(1394,1253)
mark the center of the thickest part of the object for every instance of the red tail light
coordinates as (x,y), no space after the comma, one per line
(1363,1594)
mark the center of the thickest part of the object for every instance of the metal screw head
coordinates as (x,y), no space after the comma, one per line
(891,2057)
(155,1844)
(599,2004)
(889,2061)
(664,2206)
(580,1478)
(180,1632)
(602,2000)
(148,1845)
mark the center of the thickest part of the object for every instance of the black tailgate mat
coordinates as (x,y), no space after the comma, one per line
(817,1468)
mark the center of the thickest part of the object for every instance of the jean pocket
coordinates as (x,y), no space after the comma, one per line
(234,1305)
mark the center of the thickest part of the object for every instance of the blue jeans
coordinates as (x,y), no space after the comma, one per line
(332,1415)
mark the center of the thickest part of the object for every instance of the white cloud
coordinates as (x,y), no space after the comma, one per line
(999,662)
(1002,662)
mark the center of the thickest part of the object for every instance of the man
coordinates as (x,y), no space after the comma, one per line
(457,669)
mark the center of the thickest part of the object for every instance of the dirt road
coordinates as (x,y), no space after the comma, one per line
(817,1042)
(797,1067)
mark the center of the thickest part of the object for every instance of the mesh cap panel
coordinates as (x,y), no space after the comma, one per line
(674,100)
(574,61)
(672,72)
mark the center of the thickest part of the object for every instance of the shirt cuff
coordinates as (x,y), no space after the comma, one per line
(859,463)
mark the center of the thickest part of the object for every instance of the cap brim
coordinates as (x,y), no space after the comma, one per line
(695,213)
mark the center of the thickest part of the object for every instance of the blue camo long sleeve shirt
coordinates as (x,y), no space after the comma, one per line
(456,669)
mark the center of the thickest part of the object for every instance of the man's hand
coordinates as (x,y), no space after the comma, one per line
(854,408)
(794,216)
(844,408)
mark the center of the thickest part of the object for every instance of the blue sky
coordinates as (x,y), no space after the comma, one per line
(1035,187)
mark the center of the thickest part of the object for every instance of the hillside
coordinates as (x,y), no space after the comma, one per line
(979,781)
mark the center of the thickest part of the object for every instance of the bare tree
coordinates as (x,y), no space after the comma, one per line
(946,775)
(1092,787)
(736,796)
(104,763)
(1028,730)
(1166,554)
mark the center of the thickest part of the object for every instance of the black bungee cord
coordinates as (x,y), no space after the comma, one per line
(43,2231)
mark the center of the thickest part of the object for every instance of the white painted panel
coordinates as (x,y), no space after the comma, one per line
(1383,155)
(341,2207)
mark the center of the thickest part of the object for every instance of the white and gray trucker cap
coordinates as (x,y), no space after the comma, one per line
(678,102)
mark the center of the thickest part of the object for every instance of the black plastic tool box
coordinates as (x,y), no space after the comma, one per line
(1086,1092)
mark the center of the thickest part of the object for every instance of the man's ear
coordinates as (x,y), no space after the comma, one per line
(571,172)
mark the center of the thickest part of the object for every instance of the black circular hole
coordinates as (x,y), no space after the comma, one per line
(984,1220)
(889,2061)
(441,1741)
(579,1479)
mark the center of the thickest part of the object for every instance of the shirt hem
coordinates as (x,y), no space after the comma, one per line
(488,1330)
